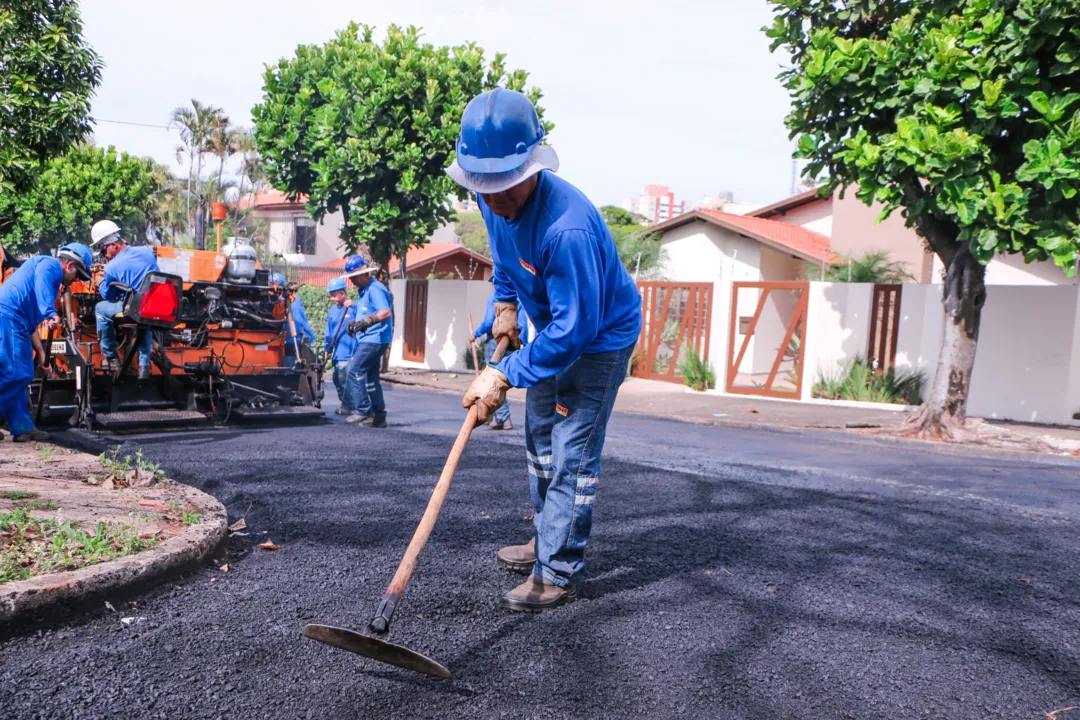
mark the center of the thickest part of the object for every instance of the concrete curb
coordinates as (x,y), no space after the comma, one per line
(32,597)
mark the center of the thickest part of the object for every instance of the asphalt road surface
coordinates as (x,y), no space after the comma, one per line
(733,573)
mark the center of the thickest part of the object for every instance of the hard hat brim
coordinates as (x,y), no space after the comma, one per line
(543,157)
(362,271)
(105,241)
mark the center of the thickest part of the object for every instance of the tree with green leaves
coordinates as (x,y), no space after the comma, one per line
(964,115)
(367,128)
(470,227)
(203,129)
(79,188)
(639,250)
(47,76)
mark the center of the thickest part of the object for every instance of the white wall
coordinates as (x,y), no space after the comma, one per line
(700,252)
(838,329)
(1026,365)
(447,334)
(1012,270)
(816,216)
(922,324)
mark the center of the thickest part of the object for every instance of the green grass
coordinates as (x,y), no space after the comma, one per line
(39,505)
(190,517)
(33,546)
(17,495)
(860,383)
(45,451)
(697,373)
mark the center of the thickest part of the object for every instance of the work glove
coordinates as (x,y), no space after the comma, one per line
(361,325)
(487,392)
(505,325)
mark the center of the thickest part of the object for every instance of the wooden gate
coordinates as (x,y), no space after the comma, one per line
(675,318)
(416,293)
(770,356)
(884,328)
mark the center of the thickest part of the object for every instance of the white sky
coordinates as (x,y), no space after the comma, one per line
(680,93)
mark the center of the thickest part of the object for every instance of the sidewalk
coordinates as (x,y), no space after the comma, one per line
(651,397)
(74,528)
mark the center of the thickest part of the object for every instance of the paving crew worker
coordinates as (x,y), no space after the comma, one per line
(28,298)
(342,312)
(124,265)
(373,330)
(554,254)
(303,327)
(501,417)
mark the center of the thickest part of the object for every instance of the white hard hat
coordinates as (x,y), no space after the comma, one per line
(104,233)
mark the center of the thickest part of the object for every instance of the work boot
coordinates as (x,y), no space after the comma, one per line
(356,417)
(373,422)
(31,436)
(112,364)
(537,594)
(506,425)
(144,372)
(518,558)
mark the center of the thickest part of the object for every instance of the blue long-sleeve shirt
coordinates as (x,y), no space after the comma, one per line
(559,260)
(28,297)
(129,267)
(373,298)
(346,343)
(300,320)
(489,320)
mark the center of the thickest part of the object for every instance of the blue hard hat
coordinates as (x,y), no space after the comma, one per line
(356,265)
(499,131)
(335,284)
(277,279)
(80,255)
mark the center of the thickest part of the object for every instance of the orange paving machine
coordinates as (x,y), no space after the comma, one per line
(221,350)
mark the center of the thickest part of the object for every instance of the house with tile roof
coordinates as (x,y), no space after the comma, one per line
(444,260)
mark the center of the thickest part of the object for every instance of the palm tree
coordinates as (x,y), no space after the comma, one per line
(873,267)
(197,125)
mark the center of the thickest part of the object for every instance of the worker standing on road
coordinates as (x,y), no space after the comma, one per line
(501,417)
(373,331)
(300,321)
(338,345)
(554,254)
(126,266)
(28,298)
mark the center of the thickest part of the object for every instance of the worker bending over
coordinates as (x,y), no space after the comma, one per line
(554,254)
(500,418)
(304,331)
(124,266)
(373,331)
(338,344)
(28,298)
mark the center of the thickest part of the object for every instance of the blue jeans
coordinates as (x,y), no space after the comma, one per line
(503,413)
(341,374)
(363,385)
(16,373)
(104,312)
(565,425)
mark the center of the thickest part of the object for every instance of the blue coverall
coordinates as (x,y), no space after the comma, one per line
(364,384)
(128,267)
(558,259)
(503,413)
(303,327)
(343,351)
(27,299)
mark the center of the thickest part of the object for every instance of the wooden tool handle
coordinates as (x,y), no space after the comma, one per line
(337,332)
(472,345)
(381,622)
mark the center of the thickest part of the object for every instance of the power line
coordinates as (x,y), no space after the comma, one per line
(125,122)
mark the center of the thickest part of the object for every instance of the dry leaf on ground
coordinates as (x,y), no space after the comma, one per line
(269,545)
(238,525)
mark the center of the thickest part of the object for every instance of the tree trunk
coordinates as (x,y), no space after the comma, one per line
(200,223)
(963,295)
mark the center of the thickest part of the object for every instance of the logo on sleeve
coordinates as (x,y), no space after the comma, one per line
(562,410)
(527,266)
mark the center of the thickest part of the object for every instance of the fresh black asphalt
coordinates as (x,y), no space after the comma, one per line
(733,573)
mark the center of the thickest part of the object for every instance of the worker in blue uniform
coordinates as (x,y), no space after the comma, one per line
(338,344)
(27,299)
(300,321)
(124,266)
(500,419)
(552,253)
(373,329)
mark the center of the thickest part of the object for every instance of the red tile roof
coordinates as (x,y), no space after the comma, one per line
(272,199)
(426,255)
(788,204)
(796,240)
